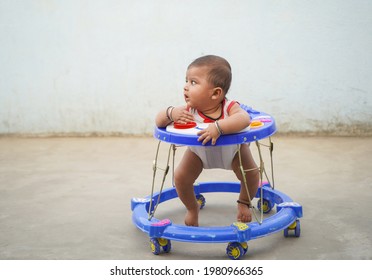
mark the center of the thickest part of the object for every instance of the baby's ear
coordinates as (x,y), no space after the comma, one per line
(217,92)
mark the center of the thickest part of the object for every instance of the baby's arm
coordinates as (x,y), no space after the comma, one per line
(173,114)
(238,119)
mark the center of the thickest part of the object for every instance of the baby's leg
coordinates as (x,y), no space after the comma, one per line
(185,175)
(244,213)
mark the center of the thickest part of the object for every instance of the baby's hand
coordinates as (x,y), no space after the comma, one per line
(209,134)
(181,115)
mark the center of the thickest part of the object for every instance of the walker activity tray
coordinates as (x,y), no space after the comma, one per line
(262,126)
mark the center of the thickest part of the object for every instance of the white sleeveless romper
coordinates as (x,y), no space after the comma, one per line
(215,156)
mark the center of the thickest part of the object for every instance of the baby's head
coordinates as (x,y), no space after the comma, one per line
(219,70)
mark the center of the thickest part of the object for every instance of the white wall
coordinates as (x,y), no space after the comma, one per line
(108,66)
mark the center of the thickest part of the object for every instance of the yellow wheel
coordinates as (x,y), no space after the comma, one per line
(162,241)
(155,246)
(293,226)
(266,205)
(244,246)
(201,200)
(235,250)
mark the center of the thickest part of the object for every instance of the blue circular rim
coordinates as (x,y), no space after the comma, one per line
(254,134)
(287,213)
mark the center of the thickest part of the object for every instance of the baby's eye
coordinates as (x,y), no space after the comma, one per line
(192,82)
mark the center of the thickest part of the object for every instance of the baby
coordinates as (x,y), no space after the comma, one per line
(208,80)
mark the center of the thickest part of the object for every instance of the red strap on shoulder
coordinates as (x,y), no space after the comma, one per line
(232,103)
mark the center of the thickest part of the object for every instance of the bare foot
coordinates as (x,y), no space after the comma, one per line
(244,213)
(192,218)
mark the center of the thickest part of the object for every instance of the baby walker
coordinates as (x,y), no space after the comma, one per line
(236,235)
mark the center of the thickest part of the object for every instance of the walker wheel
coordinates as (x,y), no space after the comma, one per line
(155,246)
(296,227)
(201,200)
(236,250)
(160,243)
(266,205)
(165,244)
(244,246)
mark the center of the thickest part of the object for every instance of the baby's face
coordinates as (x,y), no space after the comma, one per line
(197,90)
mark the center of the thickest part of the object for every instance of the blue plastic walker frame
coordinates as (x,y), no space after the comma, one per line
(287,213)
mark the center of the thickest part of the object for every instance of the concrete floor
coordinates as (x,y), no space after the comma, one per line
(69,198)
